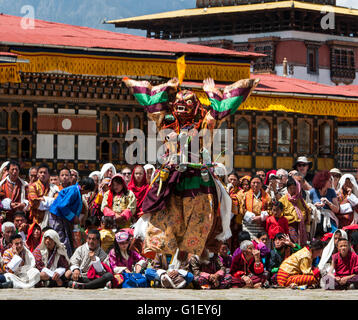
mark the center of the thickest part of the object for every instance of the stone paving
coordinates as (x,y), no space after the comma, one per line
(143,294)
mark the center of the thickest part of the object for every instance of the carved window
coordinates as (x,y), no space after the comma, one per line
(312,60)
(14,148)
(3,119)
(105,123)
(284,137)
(3,147)
(342,65)
(105,151)
(136,122)
(265,63)
(125,124)
(26,121)
(115,151)
(325,138)
(242,135)
(263,136)
(25,149)
(14,120)
(115,124)
(303,137)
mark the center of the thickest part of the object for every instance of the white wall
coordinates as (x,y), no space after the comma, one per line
(86,147)
(66,147)
(44,146)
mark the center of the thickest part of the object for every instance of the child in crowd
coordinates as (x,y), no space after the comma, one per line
(92,223)
(225,256)
(276,223)
(107,234)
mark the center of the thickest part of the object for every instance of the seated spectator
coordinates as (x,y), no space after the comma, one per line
(119,202)
(297,269)
(52,260)
(7,229)
(139,186)
(354,241)
(92,223)
(121,258)
(108,170)
(261,243)
(254,207)
(242,236)
(34,236)
(21,225)
(330,249)
(168,272)
(107,233)
(326,201)
(348,201)
(276,223)
(225,256)
(19,265)
(209,272)
(89,258)
(297,213)
(247,269)
(345,266)
(283,247)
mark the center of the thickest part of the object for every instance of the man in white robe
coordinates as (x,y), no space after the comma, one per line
(19,265)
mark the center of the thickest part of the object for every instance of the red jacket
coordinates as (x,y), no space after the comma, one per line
(274,226)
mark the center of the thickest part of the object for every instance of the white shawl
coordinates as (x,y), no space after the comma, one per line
(61,248)
(328,250)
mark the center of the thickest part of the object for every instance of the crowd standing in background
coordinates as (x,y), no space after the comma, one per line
(294,229)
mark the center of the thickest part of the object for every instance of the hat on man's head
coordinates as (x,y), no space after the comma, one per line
(302,159)
(122,236)
(335,170)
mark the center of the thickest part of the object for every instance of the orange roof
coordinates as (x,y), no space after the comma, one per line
(274,83)
(270,83)
(48,34)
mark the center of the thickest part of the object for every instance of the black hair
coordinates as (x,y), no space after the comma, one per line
(15,236)
(54,173)
(316,245)
(117,250)
(260,234)
(92,221)
(46,228)
(108,222)
(243,235)
(278,204)
(233,173)
(96,232)
(19,213)
(279,235)
(291,182)
(43,165)
(87,184)
(12,163)
(342,239)
(65,168)
(257,177)
(125,189)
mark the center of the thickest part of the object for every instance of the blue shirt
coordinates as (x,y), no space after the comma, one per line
(316,196)
(68,203)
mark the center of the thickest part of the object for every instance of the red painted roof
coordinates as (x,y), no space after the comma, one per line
(274,83)
(278,84)
(352,87)
(51,33)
